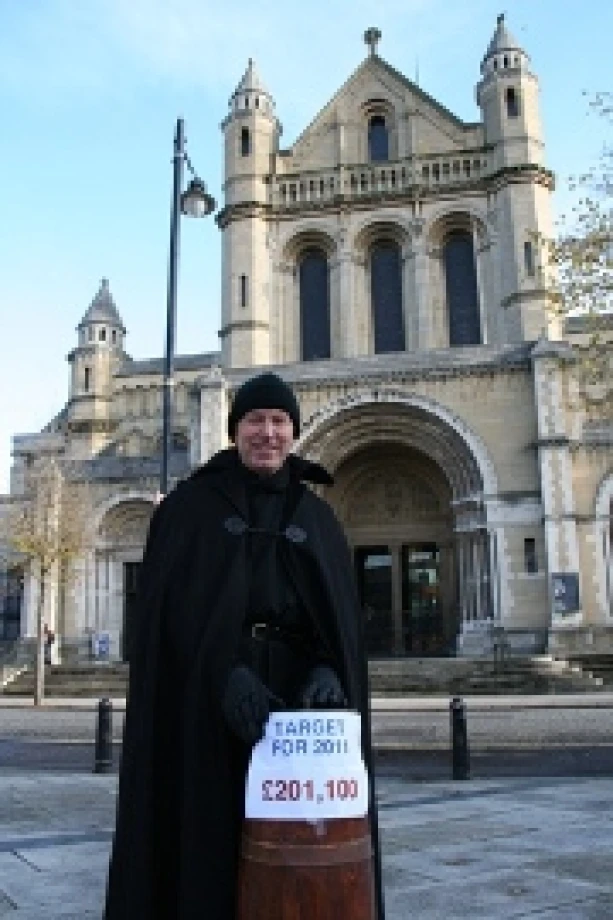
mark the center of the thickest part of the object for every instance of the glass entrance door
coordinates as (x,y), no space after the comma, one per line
(374,576)
(422,614)
(401,595)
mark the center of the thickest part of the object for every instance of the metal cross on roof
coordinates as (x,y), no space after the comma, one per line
(372,37)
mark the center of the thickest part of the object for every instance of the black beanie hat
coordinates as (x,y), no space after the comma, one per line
(266,391)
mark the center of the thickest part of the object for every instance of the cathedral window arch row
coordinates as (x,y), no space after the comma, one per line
(505,62)
(454,241)
(382,248)
(309,323)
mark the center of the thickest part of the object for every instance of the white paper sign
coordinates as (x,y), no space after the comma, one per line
(308,766)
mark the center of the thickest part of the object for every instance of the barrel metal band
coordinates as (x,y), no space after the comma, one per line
(292,854)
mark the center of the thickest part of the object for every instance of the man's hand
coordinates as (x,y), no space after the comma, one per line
(247,703)
(323,690)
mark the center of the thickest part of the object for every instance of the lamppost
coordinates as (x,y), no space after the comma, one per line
(195,201)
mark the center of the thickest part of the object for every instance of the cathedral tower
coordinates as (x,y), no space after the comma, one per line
(508,96)
(98,354)
(251,131)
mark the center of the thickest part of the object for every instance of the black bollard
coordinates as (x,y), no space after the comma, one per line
(459,739)
(104,737)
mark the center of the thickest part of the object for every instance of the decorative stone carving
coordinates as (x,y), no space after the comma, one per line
(391,497)
(126,524)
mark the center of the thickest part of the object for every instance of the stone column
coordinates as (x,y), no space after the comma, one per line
(114,612)
(213,416)
(477,574)
(555,463)
(462,578)
(346,306)
(421,335)
(397,637)
(479,249)
(493,574)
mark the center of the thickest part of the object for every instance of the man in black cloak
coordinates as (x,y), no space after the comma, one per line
(247,605)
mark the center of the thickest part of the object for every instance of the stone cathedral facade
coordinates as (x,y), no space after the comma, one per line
(384,265)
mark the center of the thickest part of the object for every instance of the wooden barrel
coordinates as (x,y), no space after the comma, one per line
(297,869)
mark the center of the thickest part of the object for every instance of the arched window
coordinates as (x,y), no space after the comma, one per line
(244,290)
(245,142)
(462,291)
(378,139)
(314,305)
(512,98)
(386,297)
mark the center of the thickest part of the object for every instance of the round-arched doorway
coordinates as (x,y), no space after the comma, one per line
(409,490)
(395,506)
(118,554)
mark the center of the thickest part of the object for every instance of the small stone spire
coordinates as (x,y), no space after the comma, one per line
(102,309)
(252,87)
(372,37)
(502,41)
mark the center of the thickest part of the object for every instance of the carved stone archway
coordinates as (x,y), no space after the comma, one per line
(114,565)
(410,490)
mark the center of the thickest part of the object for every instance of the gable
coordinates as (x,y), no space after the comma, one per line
(419,125)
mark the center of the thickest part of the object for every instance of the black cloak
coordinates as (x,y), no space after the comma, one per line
(176,842)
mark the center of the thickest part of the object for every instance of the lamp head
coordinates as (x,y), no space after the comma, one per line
(196,201)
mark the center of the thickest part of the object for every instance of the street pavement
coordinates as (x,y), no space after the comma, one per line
(530,848)
(519,847)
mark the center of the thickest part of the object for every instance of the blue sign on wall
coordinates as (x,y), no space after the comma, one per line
(102,646)
(565,592)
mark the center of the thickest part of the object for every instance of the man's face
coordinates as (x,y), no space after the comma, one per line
(264,438)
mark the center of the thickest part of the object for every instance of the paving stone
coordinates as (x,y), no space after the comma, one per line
(477,849)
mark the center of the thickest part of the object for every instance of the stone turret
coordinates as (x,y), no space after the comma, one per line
(251,131)
(508,96)
(98,354)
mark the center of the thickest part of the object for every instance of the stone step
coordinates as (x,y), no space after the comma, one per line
(393,677)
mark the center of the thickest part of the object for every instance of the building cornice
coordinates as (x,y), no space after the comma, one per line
(90,426)
(400,368)
(521,175)
(244,210)
(524,297)
(390,196)
(244,324)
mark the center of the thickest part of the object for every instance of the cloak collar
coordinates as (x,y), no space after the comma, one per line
(301,469)
(225,465)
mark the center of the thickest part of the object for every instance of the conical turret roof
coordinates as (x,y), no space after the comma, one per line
(502,39)
(251,81)
(102,309)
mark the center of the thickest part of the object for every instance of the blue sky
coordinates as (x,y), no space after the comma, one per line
(89,94)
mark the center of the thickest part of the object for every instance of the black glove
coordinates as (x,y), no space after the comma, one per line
(247,703)
(322,690)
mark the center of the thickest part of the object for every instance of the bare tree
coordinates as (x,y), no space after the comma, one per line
(578,267)
(47,529)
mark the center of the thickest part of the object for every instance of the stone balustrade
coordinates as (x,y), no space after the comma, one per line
(294,190)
